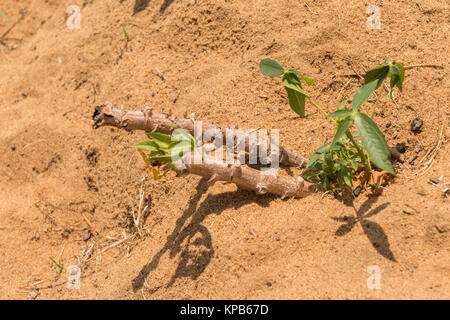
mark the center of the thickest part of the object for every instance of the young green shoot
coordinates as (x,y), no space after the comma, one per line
(162,148)
(5,16)
(57,264)
(125,34)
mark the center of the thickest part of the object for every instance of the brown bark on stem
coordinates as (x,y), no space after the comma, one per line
(247,178)
(107,115)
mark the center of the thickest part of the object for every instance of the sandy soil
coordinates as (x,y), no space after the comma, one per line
(69,192)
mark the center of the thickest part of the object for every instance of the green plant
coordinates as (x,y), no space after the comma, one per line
(163,149)
(342,158)
(291,83)
(57,264)
(125,33)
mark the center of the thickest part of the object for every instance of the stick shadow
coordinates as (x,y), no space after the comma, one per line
(141,5)
(193,239)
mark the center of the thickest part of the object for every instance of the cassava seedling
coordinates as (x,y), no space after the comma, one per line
(163,148)
(341,159)
(336,162)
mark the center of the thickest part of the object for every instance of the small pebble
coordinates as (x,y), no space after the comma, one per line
(268,283)
(417,149)
(388,124)
(435,180)
(395,134)
(277,238)
(86,235)
(416,125)
(33,294)
(401,147)
(357,191)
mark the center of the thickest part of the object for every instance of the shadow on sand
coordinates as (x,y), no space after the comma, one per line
(141,5)
(372,230)
(193,239)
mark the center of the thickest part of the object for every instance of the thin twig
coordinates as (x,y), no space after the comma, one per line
(22,15)
(160,74)
(309,9)
(424,66)
(434,152)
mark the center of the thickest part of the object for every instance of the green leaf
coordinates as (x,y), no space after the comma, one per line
(341,130)
(291,80)
(295,93)
(296,101)
(183,136)
(146,145)
(395,78)
(354,164)
(270,68)
(309,81)
(363,94)
(325,181)
(312,174)
(167,158)
(347,175)
(312,161)
(378,73)
(341,105)
(163,141)
(397,72)
(373,141)
(401,70)
(58,265)
(335,148)
(340,114)
(316,155)
(328,159)
(181,149)
(372,80)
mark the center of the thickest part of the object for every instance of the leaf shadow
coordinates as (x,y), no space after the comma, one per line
(140,5)
(372,230)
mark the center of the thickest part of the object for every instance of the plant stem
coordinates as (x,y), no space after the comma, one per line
(360,152)
(374,107)
(321,110)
